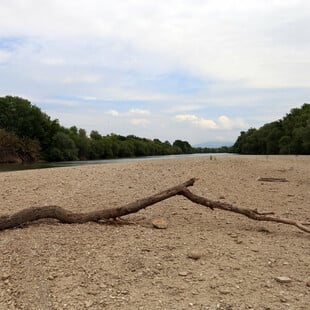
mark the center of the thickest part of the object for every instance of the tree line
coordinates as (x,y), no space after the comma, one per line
(27,135)
(289,135)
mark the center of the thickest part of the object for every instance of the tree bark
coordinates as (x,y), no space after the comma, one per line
(64,216)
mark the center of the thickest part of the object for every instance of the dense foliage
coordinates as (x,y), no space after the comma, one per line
(290,135)
(28,134)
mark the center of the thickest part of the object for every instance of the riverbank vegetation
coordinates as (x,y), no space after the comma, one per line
(27,135)
(289,135)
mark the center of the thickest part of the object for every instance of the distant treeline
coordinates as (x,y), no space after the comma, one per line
(28,135)
(290,135)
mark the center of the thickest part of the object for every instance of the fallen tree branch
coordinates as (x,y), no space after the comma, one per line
(64,216)
(250,213)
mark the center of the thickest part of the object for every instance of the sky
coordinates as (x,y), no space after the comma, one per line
(196,70)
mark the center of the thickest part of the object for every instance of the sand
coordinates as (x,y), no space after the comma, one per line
(204,260)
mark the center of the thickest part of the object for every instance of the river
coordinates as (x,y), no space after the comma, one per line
(16,167)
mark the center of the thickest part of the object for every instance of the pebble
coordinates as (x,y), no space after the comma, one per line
(224,291)
(160,223)
(88,303)
(194,255)
(5,276)
(283,279)
(183,273)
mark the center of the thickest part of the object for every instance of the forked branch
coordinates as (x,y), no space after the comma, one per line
(250,213)
(64,216)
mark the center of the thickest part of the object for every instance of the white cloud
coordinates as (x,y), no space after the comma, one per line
(4,56)
(262,43)
(140,121)
(113,113)
(223,122)
(187,117)
(184,107)
(139,112)
(87,78)
(199,121)
(227,123)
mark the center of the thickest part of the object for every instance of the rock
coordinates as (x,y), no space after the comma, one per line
(183,273)
(88,303)
(224,291)
(283,279)
(5,276)
(194,254)
(160,223)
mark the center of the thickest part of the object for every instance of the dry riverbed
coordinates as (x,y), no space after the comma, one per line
(204,259)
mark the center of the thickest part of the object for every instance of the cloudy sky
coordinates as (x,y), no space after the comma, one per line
(198,70)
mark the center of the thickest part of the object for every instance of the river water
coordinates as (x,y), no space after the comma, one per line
(16,167)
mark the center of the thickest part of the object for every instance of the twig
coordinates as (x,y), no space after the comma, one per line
(272,179)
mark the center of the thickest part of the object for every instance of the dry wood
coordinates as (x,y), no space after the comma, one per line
(250,213)
(272,179)
(35,213)
(65,216)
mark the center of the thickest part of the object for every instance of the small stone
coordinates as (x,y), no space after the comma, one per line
(283,279)
(224,291)
(183,273)
(268,284)
(88,303)
(5,276)
(194,255)
(160,223)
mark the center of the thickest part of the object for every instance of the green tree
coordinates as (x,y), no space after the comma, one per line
(287,136)
(184,146)
(62,148)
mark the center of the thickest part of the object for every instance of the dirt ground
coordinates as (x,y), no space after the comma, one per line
(48,265)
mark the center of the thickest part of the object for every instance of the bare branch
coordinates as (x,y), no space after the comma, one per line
(272,179)
(252,214)
(64,216)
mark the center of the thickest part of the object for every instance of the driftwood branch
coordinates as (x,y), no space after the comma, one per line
(250,213)
(64,216)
